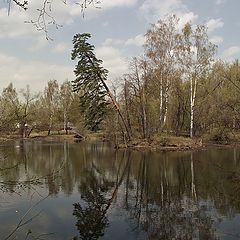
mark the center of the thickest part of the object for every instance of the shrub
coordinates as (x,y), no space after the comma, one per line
(219,134)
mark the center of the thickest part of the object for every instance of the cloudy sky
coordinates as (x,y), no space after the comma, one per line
(117,30)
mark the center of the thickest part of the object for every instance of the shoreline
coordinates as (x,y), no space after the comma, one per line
(166,143)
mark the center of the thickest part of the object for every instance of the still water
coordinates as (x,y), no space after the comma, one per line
(91,191)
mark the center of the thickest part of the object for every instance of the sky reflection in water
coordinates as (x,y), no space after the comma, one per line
(96,192)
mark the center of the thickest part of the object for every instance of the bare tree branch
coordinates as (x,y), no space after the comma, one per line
(45,16)
(22,221)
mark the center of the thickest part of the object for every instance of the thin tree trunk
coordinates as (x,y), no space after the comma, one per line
(234,123)
(117,109)
(28,134)
(144,117)
(114,101)
(64,120)
(127,107)
(23,130)
(50,124)
(178,119)
(144,122)
(166,102)
(161,103)
(235,156)
(191,110)
(192,101)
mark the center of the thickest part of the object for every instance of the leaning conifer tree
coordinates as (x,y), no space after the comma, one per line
(90,81)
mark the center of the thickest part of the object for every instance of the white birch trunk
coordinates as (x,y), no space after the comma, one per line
(161,102)
(193,90)
(191,109)
(166,101)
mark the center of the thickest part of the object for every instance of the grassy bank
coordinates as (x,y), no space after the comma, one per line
(164,142)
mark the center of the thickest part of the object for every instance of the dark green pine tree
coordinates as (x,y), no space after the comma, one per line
(89,81)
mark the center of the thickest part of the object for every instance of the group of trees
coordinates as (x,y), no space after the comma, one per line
(90,83)
(176,87)
(21,112)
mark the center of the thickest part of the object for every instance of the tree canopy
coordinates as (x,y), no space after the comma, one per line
(176,87)
(89,76)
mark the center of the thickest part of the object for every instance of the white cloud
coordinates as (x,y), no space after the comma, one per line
(155,9)
(112,60)
(60,12)
(105,5)
(219,2)
(62,48)
(216,40)
(41,42)
(185,18)
(111,41)
(34,73)
(105,24)
(231,53)
(13,26)
(138,40)
(20,24)
(213,24)
(118,3)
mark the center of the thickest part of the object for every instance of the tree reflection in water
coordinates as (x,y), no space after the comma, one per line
(91,217)
(162,210)
(160,195)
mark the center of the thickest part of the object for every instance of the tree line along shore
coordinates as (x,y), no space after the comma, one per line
(175,94)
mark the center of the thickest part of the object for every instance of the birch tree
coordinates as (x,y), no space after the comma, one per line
(127,102)
(66,97)
(137,81)
(10,109)
(27,111)
(51,101)
(17,112)
(197,55)
(162,45)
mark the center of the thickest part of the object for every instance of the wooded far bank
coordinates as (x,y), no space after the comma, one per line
(175,88)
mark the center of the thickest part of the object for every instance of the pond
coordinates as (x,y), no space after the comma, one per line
(91,191)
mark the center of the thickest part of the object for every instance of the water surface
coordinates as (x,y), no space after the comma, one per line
(91,191)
